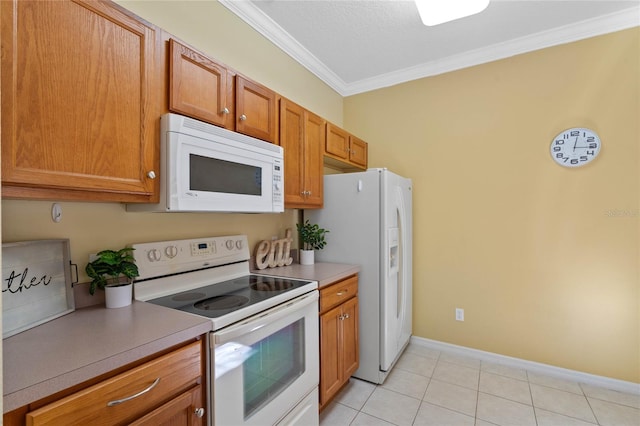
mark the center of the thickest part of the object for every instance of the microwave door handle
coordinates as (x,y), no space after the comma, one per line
(263,320)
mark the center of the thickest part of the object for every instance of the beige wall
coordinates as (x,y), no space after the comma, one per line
(211,28)
(543,259)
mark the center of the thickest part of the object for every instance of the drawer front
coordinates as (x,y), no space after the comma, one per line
(127,396)
(336,294)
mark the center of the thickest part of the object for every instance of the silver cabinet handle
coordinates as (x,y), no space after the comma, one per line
(346,316)
(199,412)
(129,398)
(151,174)
(243,117)
(225,110)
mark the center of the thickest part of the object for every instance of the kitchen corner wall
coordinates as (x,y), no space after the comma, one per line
(543,259)
(211,28)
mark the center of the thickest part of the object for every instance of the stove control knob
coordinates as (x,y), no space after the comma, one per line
(171,251)
(154,255)
(229,244)
(239,244)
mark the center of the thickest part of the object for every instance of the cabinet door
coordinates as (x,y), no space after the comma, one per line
(350,345)
(291,140)
(314,137)
(302,136)
(337,143)
(256,110)
(183,410)
(330,354)
(79,105)
(358,151)
(199,87)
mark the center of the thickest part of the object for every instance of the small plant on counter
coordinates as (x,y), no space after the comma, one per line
(311,236)
(109,266)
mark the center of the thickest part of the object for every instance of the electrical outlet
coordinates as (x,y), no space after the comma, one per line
(459,314)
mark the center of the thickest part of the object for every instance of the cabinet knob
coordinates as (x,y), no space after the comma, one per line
(151,174)
(243,117)
(225,110)
(199,412)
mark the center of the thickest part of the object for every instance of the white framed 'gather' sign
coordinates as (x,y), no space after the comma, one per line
(36,284)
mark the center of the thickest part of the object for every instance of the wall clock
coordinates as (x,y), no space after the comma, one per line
(575,147)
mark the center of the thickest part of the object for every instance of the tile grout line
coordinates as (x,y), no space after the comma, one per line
(533,403)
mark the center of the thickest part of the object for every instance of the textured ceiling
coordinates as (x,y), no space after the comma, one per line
(360,45)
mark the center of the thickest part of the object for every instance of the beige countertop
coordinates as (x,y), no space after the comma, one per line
(87,343)
(94,340)
(324,273)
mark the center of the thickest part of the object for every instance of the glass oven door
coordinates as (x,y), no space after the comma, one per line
(265,365)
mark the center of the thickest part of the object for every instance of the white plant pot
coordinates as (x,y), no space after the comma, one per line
(117,296)
(306,257)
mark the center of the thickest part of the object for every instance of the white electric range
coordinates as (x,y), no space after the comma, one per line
(263,358)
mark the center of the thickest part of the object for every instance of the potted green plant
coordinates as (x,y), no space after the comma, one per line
(311,238)
(113,271)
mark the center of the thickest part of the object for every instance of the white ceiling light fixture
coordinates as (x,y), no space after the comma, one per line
(434,12)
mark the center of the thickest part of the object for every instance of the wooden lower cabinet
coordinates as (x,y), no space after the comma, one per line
(167,390)
(339,347)
(183,410)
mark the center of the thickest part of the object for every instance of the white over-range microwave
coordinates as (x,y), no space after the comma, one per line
(208,168)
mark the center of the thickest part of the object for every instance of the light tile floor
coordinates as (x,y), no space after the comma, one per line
(429,387)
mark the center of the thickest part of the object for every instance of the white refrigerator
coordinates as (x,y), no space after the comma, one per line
(368,215)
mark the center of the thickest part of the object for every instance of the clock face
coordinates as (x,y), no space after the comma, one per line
(575,147)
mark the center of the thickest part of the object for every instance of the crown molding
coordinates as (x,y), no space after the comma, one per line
(262,23)
(266,26)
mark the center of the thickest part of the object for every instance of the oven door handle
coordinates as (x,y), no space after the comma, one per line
(264,319)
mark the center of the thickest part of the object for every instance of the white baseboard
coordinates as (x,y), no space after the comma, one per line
(536,367)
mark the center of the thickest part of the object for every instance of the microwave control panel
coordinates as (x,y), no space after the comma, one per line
(278,185)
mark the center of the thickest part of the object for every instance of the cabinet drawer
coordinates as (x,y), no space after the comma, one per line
(335,294)
(161,379)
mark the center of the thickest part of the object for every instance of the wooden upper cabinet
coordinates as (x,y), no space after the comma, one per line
(314,136)
(256,110)
(79,107)
(302,136)
(199,87)
(345,150)
(337,143)
(358,151)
